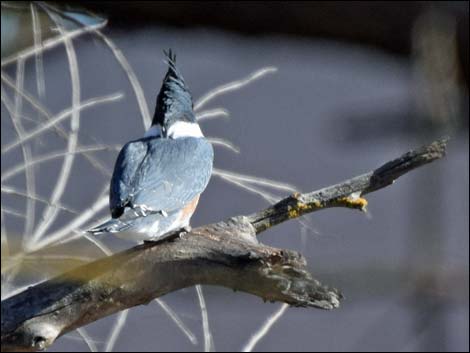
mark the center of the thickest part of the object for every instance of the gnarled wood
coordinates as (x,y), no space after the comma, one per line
(226,253)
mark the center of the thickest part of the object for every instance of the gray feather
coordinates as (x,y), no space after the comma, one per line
(162,174)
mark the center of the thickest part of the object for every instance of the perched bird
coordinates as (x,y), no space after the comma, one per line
(157,179)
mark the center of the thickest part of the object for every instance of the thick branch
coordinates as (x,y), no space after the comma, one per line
(226,254)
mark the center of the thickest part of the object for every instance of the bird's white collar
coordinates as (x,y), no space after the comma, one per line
(177,130)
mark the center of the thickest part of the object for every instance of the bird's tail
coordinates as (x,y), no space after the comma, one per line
(111,226)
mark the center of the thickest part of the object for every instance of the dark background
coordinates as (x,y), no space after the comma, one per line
(358,83)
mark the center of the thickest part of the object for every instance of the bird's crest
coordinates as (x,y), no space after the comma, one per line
(174,101)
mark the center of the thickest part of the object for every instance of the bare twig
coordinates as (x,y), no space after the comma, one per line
(255,180)
(62,234)
(116,330)
(232,86)
(8,189)
(15,114)
(12,212)
(40,84)
(61,116)
(87,339)
(51,43)
(137,88)
(263,330)
(179,323)
(224,143)
(208,341)
(55,155)
(254,184)
(348,193)
(48,116)
(212,114)
(50,213)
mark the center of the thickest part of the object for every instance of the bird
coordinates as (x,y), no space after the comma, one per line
(158,179)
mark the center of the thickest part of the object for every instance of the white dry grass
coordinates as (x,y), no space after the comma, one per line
(212,114)
(116,330)
(264,329)
(208,340)
(87,339)
(37,33)
(40,234)
(232,86)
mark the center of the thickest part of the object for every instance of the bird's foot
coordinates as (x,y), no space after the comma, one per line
(179,233)
(184,230)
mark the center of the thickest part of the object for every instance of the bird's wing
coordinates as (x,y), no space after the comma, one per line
(121,188)
(160,174)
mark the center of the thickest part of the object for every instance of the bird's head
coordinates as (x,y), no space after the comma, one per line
(174,115)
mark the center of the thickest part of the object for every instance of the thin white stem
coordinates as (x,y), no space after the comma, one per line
(99,244)
(48,116)
(100,203)
(40,85)
(27,118)
(87,339)
(27,97)
(224,143)
(15,191)
(176,319)
(254,180)
(208,341)
(12,212)
(232,86)
(212,114)
(54,155)
(15,114)
(51,43)
(50,214)
(270,198)
(61,116)
(138,91)
(116,330)
(79,233)
(264,329)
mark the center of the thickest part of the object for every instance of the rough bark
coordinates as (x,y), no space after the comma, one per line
(226,254)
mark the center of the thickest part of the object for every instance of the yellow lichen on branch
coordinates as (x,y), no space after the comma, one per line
(359,203)
(301,208)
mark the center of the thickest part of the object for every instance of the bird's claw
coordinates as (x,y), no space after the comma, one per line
(184,230)
(180,233)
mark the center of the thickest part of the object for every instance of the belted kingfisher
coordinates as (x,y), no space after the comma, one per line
(157,179)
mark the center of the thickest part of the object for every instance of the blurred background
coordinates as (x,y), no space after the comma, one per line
(294,96)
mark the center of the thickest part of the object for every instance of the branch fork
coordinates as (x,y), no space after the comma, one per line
(225,253)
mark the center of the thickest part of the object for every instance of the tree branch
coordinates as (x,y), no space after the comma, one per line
(226,254)
(348,193)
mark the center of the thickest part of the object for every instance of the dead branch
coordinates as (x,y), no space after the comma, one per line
(226,254)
